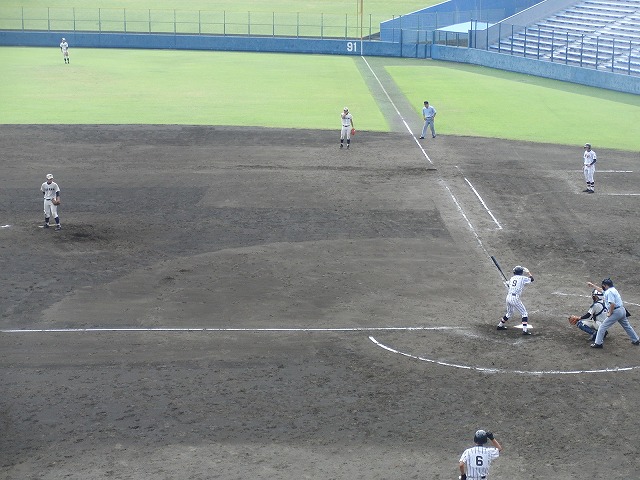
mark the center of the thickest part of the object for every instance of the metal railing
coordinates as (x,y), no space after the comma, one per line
(600,52)
(200,22)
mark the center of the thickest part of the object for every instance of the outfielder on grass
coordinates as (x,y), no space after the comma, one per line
(521,276)
(475,461)
(64,48)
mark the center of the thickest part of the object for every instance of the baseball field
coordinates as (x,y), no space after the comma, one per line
(232,296)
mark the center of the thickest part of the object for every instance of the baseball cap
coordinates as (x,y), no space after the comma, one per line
(346,109)
(49,176)
(587,145)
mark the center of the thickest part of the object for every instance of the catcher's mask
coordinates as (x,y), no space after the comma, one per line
(518,270)
(596,295)
(480,437)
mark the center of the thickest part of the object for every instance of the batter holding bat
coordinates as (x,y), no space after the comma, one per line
(521,277)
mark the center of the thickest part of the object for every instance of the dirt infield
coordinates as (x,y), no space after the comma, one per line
(246,303)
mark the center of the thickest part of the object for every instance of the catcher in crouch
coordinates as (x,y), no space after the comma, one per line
(595,316)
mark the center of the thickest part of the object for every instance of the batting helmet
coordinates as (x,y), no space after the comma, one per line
(480,437)
(518,270)
(608,282)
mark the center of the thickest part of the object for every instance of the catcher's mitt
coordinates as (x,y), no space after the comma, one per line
(573,319)
(353,131)
(56,201)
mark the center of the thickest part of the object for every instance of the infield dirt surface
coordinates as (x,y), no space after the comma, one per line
(281,262)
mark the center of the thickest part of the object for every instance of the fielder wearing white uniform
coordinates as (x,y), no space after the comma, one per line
(475,461)
(589,168)
(347,125)
(516,285)
(64,48)
(50,191)
(429,116)
(615,313)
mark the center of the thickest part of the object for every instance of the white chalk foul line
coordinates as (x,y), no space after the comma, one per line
(220,329)
(500,370)
(495,220)
(424,153)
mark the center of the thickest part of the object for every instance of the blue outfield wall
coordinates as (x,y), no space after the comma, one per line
(206,42)
(539,68)
(584,76)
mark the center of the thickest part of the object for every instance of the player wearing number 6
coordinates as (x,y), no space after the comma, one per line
(475,461)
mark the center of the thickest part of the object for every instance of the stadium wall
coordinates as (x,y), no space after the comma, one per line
(211,42)
(584,76)
(539,68)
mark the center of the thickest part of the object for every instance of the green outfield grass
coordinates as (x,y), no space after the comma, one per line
(479,101)
(112,86)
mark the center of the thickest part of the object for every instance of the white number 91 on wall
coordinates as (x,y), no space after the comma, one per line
(352,46)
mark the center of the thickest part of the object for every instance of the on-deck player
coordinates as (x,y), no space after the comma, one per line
(475,461)
(50,190)
(516,285)
(347,125)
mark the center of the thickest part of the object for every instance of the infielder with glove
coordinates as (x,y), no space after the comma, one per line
(51,192)
(347,127)
(475,461)
(589,168)
(595,316)
(521,276)
(615,313)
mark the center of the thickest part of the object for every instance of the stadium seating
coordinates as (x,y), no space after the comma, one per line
(602,34)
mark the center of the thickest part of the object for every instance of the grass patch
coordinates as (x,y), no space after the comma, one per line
(112,86)
(484,102)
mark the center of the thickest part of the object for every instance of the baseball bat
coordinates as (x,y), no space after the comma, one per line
(498,267)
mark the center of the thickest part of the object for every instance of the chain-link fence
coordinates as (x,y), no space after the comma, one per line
(201,22)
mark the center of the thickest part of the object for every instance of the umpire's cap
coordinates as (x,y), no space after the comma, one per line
(608,282)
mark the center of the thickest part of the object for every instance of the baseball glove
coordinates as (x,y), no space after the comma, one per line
(353,131)
(573,319)
(56,201)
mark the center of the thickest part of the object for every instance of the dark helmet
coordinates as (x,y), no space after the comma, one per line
(480,437)
(518,270)
(608,282)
